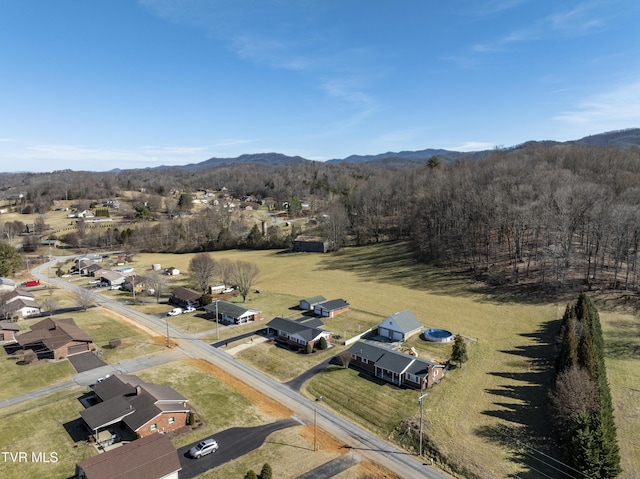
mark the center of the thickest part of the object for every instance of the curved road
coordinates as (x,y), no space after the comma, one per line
(353,437)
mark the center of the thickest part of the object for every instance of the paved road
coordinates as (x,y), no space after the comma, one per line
(232,443)
(354,437)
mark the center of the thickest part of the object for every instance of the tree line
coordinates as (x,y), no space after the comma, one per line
(582,409)
(553,215)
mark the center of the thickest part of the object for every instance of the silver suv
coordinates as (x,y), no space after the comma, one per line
(204,447)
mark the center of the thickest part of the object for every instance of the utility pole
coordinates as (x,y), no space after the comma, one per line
(421,408)
(217,321)
(315,429)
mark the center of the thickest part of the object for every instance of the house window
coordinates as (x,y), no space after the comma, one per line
(365,361)
(171,420)
(153,427)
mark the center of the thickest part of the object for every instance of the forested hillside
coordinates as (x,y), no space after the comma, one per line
(554,215)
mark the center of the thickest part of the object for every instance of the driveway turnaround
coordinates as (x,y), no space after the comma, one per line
(86,361)
(232,443)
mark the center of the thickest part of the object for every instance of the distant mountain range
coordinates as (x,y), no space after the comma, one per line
(619,138)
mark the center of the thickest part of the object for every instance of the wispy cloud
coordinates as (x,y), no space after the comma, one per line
(351,93)
(471,146)
(99,159)
(581,20)
(614,109)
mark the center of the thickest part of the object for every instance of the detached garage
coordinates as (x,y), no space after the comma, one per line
(400,326)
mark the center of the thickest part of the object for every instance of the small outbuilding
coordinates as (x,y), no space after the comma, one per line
(309,303)
(331,308)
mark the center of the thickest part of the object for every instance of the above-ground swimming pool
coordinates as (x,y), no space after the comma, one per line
(437,335)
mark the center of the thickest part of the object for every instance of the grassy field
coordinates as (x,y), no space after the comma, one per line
(477,412)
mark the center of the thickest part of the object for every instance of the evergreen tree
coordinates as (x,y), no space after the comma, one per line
(251,474)
(266,472)
(459,350)
(10,259)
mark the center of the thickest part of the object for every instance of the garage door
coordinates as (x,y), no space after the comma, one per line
(80,348)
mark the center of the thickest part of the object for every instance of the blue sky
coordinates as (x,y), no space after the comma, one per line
(102,84)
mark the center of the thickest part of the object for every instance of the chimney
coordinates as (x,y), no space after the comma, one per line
(138,390)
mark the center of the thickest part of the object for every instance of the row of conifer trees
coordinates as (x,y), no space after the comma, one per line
(582,408)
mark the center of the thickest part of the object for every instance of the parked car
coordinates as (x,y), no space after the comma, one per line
(190,309)
(228,290)
(175,312)
(204,447)
(115,286)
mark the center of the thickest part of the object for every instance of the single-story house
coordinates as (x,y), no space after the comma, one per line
(309,303)
(112,278)
(137,283)
(311,244)
(150,457)
(8,331)
(394,367)
(400,326)
(331,308)
(127,403)
(19,304)
(54,338)
(230,313)
(185,297)
(7,284)
(296,334)
(93,269)
(94,257)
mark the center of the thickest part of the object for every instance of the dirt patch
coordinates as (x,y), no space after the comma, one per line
(378,471)
(324,441)
(265,404)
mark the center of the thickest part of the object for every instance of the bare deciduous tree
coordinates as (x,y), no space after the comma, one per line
(202,268)
(244,275)
(84,298)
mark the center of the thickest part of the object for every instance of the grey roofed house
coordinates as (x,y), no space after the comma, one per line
(310,303)
(368,351)
(400,326)
(93,268)
(396,367)
(150,457)
(296,333)
(112,277)
(331,308)
(231,312)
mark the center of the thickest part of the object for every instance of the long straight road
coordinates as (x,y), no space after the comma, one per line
(354,438)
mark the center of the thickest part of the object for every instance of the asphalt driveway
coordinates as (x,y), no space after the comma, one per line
(232,443)
(86,361)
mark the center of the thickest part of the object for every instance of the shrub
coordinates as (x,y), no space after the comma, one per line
(266,472)
(323,343)
(251,474)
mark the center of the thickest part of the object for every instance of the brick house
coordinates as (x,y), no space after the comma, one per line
(331,308)
(127,404)
(55,338)
(395,367)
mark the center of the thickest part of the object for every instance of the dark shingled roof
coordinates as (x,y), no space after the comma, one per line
(150,457)
(128,398)
(333,304)
(291,327)
(53,333)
